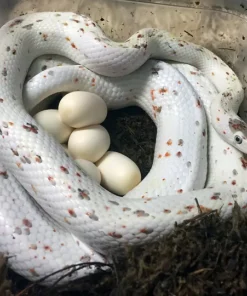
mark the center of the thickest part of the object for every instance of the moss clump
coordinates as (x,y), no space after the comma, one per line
(133,134)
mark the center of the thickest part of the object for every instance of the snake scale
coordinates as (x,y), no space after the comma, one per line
(52,214)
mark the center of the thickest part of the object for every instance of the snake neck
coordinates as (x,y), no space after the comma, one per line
(225,120)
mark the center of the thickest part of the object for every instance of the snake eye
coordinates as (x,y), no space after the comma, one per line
(238,139)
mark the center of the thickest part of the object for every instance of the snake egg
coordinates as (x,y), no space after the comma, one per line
(89,143)
(79,109)
(119,174)
(65,147)
(50,120)
(89,168)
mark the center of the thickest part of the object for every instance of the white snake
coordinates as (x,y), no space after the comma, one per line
(88,214)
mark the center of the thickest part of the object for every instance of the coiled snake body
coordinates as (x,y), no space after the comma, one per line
(81,218)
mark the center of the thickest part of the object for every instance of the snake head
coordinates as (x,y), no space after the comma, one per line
(239,131)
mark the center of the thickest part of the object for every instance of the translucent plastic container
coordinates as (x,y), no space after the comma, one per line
(219,25)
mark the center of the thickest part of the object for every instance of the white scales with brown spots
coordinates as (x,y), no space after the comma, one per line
(179,165)
(82,209)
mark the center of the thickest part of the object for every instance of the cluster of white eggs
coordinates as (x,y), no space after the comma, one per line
(76,124)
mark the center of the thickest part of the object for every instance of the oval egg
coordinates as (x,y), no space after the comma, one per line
(89,143)
(89,168)
(50,120)
(119,174)
(79,109)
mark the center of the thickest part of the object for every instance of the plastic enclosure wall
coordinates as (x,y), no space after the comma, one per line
(219,25)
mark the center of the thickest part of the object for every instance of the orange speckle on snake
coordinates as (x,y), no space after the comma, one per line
(33,272)
(72,213)
(33,247)
(126,209)
(166,211)
(45,36)
(27,223)
(64,169)
(244,163)
(47,248)
(189,208)
(51,179)
(114,234)
(34,189)
(19,165)
(146,231)
(215,197)
(163,90)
